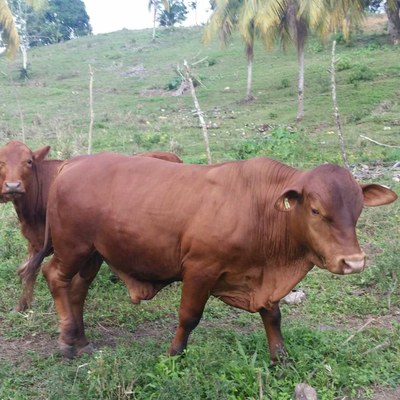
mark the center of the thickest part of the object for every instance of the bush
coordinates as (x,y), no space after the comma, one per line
(361,72)
(343,64)
(174,83)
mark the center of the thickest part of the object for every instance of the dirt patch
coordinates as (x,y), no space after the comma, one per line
(154,92)
(376,170)
(14,351)
(375,24)
(137,70)
(386,394)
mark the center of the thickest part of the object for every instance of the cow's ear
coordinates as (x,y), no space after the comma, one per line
(377,195)
(287,201)
(41,153)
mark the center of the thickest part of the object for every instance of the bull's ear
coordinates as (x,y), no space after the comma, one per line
(287,201)
(377,195)
(41,153)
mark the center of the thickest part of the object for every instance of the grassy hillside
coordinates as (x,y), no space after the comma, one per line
(134,112)
(344,340)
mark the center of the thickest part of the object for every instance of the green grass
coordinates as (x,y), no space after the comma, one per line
(227,357)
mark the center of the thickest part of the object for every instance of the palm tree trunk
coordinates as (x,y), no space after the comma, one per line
(154,22)
(392,13)
(300,84)
(250,57)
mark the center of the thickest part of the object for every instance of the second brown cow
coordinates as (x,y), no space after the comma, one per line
(25,179)
(246,232)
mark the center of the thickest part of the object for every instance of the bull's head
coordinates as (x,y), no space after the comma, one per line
(323,208)
(17,165)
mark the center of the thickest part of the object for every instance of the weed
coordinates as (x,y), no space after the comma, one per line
(285,83)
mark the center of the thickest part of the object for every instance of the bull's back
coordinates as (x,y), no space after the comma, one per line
(134,211)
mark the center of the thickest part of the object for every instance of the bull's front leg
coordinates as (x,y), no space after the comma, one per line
(272,323)
(196,289)
(25,299)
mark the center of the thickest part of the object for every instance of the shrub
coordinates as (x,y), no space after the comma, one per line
(361,72)
(343,64)
(173,83)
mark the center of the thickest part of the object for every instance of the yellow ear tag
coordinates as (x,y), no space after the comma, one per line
(286,203)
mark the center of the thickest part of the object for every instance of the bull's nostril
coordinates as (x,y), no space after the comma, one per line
(13,185)
(352,266)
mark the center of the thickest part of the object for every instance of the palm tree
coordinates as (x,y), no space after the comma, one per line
(231,15)
(9,29)
(11,33)
(297,18)
(155,5)
(392,9)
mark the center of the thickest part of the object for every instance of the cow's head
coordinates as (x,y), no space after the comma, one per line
(17,165)
(323,208)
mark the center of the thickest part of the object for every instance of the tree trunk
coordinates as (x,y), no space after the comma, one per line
(336,114)
(198,110)
(154,22)
(300,84)
(393,22)
(250,57)
(24,52)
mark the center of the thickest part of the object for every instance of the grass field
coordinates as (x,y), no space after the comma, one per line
(344,339)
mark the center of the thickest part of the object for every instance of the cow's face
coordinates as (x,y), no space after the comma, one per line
(17,164)
(323,208)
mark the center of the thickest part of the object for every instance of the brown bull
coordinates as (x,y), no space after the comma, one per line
(25,178)
(246,232)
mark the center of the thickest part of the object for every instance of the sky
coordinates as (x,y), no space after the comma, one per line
(132,14)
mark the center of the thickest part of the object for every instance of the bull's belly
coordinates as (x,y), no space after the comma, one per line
(144,268)
(143,277)
(255,288)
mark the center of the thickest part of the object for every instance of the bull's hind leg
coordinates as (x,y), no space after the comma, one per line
(272,323)
(78,292)
(196,291)
(59,281)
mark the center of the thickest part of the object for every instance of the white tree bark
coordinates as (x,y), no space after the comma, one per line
(300,86)
(90,136)
(336,114)
(198,110)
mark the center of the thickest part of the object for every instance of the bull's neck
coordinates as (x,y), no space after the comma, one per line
(30,206)
(276,240)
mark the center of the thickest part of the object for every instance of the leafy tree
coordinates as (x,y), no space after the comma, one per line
(156,6)
(193,6)
(297,18)
(176,13)
(62,20)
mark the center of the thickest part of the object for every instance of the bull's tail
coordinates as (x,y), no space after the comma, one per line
(29,270)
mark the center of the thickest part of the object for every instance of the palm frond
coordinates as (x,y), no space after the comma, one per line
(9,30)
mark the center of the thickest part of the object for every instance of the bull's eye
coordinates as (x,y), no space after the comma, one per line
(30,162)
(314,211)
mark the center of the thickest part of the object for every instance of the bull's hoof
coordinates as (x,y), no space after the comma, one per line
(67,351)
(88,349)
(19,308)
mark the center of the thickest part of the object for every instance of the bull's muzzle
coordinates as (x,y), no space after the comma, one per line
(354,264)
(13,187)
